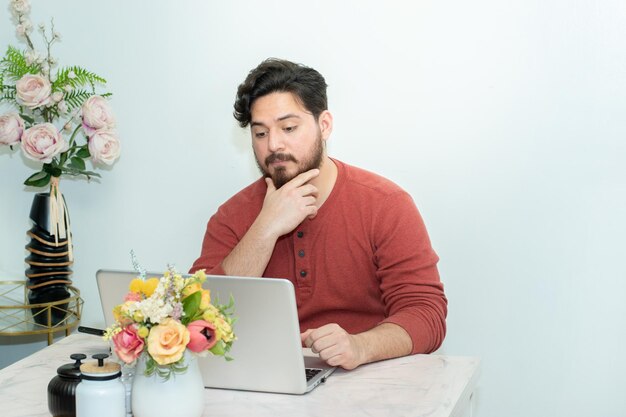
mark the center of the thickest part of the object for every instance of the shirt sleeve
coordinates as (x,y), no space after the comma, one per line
(219,240)
(412,291)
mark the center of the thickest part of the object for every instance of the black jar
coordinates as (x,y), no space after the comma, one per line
(62,388)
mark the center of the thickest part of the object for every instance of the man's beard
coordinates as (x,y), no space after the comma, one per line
(280,176)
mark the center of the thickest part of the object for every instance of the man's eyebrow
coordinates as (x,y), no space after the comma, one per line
(287,116)
(280,119)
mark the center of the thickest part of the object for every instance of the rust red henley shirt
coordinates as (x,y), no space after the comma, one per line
(365,259)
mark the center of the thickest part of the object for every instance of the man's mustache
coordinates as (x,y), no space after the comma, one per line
(281,157)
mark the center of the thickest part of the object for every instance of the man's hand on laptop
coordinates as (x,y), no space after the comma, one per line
(335,346)
(340,348)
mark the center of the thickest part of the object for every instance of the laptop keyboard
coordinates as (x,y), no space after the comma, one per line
(311,372)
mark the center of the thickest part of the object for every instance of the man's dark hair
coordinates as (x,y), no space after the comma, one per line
(278,75)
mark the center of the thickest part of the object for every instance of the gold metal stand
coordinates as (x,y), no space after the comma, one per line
(16,316)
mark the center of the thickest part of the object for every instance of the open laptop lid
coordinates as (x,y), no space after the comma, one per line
(267,353)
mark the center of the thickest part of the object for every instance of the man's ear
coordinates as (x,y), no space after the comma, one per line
(325,123)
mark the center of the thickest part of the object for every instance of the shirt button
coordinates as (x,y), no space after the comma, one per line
(300,234)
(303,273)
(301,253)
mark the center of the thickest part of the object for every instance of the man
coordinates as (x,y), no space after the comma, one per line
(352,243)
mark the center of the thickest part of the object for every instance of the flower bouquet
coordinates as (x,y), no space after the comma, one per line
(52,104)
(165,316)
(58,117)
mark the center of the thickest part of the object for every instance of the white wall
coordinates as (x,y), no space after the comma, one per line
(504,119)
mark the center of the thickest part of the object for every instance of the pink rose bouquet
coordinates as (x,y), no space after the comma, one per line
(163,317)
(56,108)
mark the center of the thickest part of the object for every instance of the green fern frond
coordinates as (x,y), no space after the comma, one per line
(76,98)
(81,78)
(8,93)
(14,65)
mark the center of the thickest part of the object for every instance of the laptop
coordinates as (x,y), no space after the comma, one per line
(268,354)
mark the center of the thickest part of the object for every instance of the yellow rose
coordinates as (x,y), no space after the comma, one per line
(190,289)
(167,341)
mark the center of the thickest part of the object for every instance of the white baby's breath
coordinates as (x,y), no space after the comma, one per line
(154,309)
(24,28)
(20,6)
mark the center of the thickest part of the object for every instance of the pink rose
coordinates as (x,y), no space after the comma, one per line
(97,115)
(33,91)
(201,336)
(128,344)
(11,129)
(43,142)
(104,146)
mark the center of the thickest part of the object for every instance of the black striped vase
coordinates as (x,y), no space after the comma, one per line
(49,260)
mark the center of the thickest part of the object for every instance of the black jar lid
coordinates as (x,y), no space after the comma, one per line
(72,370)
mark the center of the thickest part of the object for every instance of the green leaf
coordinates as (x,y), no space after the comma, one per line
(219,348)
(77,163)
(83,152)
(38,179)
(191,304)
(27,118)
(52,170)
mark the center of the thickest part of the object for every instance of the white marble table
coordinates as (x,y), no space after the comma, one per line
(419,385)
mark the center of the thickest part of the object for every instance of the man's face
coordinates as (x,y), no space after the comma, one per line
(286,138)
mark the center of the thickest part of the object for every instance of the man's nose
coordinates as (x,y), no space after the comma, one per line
(275,142)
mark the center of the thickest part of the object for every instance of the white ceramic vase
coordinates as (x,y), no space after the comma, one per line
(180,395)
